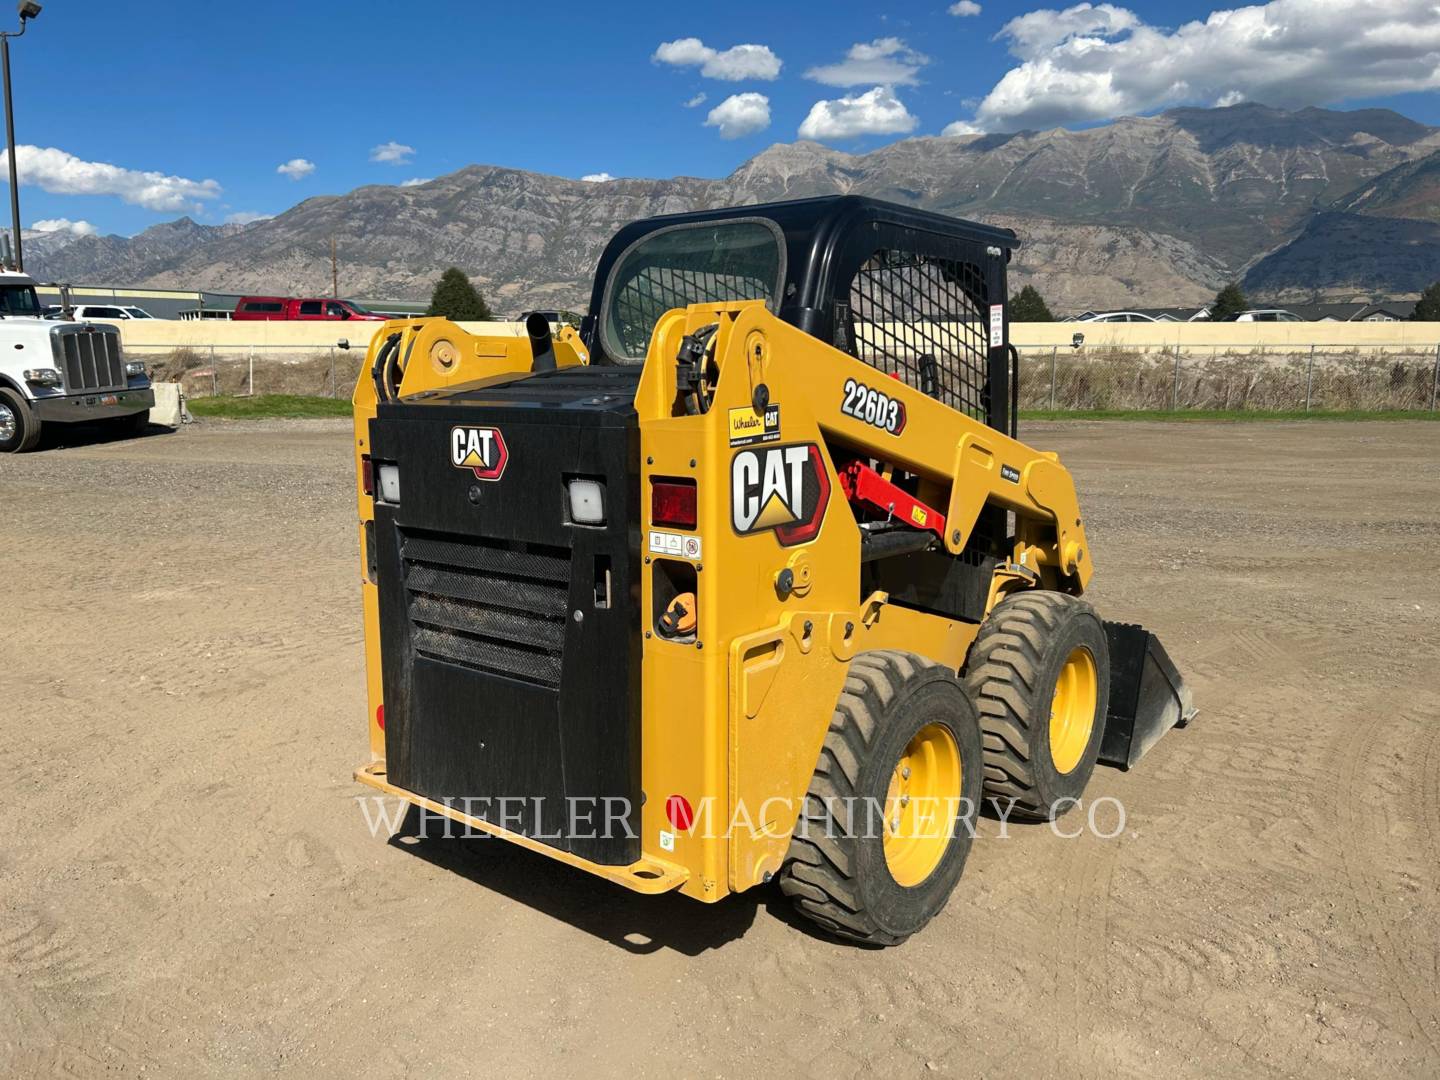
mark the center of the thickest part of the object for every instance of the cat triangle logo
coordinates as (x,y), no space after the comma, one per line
(482,450)
(775,513)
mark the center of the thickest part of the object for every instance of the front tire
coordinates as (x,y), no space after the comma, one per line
(1039,674)
(890,814)
(19,426)
(132,425)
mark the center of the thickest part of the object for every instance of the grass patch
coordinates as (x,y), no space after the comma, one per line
(268,407)
(1192,415)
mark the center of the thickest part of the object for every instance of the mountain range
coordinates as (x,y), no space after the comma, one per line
(1144,211)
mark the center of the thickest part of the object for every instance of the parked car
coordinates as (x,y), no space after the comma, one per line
(1115,316)
(116,312)
(1267,315)
(281,308)
(62,372)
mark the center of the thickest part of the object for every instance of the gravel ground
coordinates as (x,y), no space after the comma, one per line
(188,887)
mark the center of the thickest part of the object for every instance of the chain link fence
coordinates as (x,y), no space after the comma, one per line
(1316,378)
(248,370)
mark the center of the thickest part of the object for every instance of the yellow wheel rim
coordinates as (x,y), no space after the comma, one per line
(921,804)
(1072,710)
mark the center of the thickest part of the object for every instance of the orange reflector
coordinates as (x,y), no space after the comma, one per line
(680,813)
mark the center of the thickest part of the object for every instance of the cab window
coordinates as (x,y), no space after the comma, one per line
(687,264)
(19,300)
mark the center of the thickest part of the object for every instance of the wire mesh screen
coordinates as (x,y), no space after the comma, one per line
(923,319)
(656,289)
(694,265)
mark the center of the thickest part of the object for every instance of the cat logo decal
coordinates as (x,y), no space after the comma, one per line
(779,488)
(480,449)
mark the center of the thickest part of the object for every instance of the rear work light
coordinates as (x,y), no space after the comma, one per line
(672,502)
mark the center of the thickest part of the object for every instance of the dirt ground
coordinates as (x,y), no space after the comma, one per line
(188,887)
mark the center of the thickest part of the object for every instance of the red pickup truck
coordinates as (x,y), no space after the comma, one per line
(277,308)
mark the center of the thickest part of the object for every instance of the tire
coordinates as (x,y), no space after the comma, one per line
(1038,759)
(134,424)
(838,871)
(19,427)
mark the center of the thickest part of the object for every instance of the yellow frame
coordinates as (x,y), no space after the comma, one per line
(734,720)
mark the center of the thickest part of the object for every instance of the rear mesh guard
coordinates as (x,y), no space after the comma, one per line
(489,607)
(1147,695)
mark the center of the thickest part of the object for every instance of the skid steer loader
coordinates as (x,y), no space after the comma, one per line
(748,579)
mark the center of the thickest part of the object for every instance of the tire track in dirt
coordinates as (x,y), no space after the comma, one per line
(1358,835)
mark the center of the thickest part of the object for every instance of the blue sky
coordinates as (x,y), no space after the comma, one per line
(215,98)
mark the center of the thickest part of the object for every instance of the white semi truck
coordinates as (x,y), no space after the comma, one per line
(61,371)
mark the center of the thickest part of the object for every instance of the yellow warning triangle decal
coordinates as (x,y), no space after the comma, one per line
(774,513)
(473,460)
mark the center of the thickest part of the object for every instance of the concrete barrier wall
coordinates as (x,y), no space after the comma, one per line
(301,338)
(231,338)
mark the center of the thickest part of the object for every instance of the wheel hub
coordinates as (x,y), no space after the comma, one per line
(922,804)
(1072,710)
(8,425)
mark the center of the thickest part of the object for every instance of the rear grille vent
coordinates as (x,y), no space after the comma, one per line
(487,606)
(89,359)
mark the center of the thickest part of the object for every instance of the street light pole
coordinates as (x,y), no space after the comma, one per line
(28,10)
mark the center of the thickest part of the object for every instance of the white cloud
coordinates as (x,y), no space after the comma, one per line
(885,61)
(739,115)
(61,173)
(60,224)
(1098,61)
(1230,97)
(696,101)
(416,181)
(296,168)
(597,178)
(962,127)
(965,7)
(246,217)
(392,153)
(734,64)
(875,112)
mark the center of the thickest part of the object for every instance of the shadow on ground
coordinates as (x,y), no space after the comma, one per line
(631,921)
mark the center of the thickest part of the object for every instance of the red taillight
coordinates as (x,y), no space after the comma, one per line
(367,475)
(672,502)
(380,715)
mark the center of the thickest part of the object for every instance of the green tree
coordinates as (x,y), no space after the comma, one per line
(1228,302)
(1029,306)
(458,300)
(1427,309)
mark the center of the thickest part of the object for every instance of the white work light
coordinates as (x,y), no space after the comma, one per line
(587,502)
(389,476)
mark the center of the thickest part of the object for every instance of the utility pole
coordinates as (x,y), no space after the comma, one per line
(334,272)
(28,10)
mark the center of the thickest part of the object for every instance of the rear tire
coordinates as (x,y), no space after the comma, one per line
(19,426)
(1027,675)
(898,712)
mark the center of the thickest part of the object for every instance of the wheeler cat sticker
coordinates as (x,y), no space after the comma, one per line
(874,407)
(747,427)
(480,449)
(779,488)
